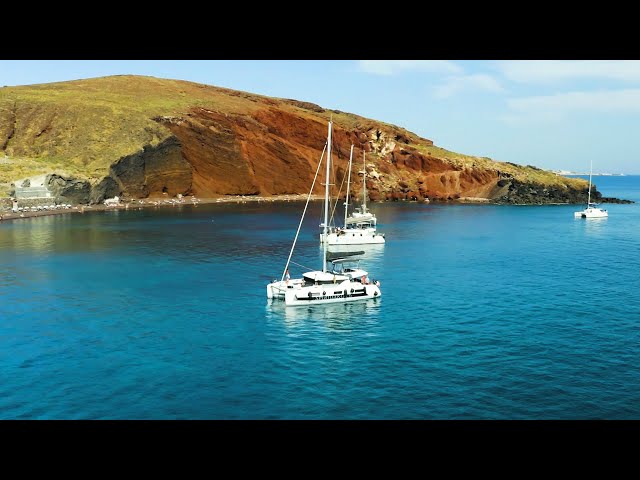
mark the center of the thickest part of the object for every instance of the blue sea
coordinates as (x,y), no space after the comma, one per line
(487,312)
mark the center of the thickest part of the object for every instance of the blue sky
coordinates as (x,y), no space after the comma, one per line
(556,114)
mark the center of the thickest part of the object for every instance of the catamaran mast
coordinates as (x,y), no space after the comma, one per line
(590,172)
(346,202)
(326,203)
(293,246)
(364,183)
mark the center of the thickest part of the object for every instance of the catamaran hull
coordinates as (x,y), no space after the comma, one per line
(278,289)
(591,214)
(300,297)
(353,238)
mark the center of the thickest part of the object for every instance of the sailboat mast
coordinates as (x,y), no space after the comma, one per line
(293,246)
(346,202)
(326,203)
(364,183)
(590,173)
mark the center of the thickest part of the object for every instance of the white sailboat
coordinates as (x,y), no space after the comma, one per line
(360,227)
(592,210)
(344,281)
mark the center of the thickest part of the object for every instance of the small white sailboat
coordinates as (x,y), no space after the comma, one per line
(592,210)
(344,281)
(360,227)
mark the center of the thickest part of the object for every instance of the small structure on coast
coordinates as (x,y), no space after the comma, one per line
(31,192)
(112,202)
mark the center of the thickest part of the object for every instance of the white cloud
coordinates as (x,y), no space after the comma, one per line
(549,71)
(479,81)
(555,108)
(391,67)
(627,100)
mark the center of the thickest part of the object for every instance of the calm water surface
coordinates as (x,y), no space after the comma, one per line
(487,312)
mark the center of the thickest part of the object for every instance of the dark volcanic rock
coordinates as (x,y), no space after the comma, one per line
(166,170)
(614,200)
(105,188)
(68,190)
(153,170)
(128,172)
(531,193)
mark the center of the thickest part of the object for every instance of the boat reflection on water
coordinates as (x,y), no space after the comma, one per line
(337,316)
(372,252)
(595,226)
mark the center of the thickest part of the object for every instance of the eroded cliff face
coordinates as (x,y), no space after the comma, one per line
(141,137)
(153,170)
(275,152)
(268,153)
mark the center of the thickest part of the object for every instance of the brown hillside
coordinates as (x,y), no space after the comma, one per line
(142,136)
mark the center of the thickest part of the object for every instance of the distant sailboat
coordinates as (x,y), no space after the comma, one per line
(360,227)
(344,281)
(592,210)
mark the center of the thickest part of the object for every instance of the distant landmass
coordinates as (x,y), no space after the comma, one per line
(139,137)
(600,174)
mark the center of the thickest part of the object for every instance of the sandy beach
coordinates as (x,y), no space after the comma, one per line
(164,202)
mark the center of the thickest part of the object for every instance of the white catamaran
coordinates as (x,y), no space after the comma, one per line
(360,227)
(344,281)
(592,210)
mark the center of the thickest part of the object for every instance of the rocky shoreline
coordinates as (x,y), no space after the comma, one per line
(164,202)
(521,193)
(153,203)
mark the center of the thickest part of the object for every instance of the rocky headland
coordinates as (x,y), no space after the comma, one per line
(144,137)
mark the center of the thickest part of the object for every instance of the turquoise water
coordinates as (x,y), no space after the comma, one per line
(488,312)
